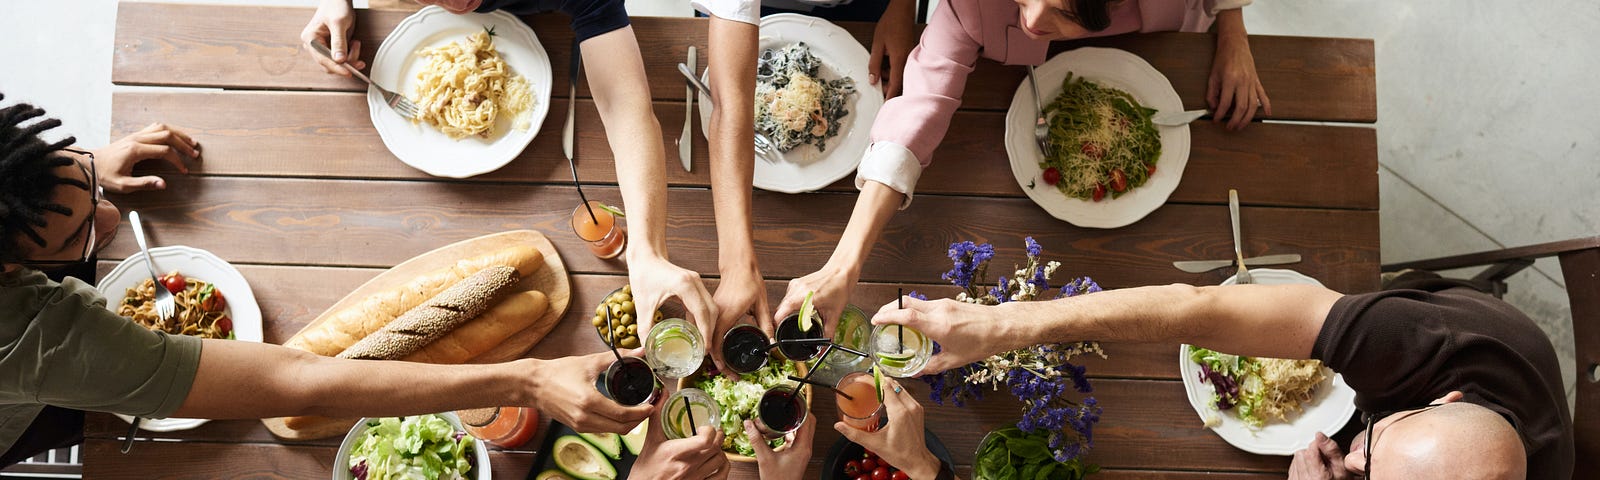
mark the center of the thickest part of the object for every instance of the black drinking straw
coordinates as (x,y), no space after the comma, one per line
(693,430)
(610,333)
(900,303)
(823,385)
(581,196)
(796,341)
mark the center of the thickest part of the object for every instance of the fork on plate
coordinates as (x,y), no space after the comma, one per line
(1243,277)
(1041,125)
(166,304)
(401,105)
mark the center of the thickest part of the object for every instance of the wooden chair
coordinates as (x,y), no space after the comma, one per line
(1580,266)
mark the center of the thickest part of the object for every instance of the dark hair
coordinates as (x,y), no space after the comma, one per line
(1094,15)
(28,178)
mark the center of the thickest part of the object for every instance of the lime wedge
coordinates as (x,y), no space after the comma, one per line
(806,310)
(893,363)
(612,210)
(877,382)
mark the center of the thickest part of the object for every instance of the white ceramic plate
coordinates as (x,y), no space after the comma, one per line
(341,470)
(422,146)
(200,265)
(1330,407)
(804,168)
(1110,68)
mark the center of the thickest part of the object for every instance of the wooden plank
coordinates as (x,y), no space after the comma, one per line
(381,223)
(167,460)
(1581,270)
(1146,425)
(258,47)
(297,133)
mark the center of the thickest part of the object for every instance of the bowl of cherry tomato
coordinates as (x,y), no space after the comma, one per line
(849,461)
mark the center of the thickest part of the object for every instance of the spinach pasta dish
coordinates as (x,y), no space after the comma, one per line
(1101,140)
(794,104)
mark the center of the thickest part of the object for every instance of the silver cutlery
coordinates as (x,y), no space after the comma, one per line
(572,102)
(684,141)
(766,149)
(1202,266)
(1041,126)
(166,304)
(1177,119)
(398,102)
(1243,277)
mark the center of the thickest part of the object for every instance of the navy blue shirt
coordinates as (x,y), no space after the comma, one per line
(590,18)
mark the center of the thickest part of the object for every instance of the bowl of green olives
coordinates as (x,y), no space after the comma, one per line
(624,320)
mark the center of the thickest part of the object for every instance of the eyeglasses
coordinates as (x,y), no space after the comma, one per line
(95,192)
(1374,419)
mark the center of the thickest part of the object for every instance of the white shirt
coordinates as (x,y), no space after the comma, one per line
(745,11)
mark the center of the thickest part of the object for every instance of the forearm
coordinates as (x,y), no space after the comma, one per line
(732,74)
(1230,26)
(622,96)
(1259,320)
(252,380)
(874,207)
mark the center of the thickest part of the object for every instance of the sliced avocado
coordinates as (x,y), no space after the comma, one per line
(552,474)
(580,460)
(634,440)
(610,443)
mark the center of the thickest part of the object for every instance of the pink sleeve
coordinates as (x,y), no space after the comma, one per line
(935,76)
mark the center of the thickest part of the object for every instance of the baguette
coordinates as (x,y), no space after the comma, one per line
(514,314)
(340,329)
(438,316)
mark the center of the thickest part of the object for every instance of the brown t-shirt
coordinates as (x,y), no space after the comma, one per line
(1401,349)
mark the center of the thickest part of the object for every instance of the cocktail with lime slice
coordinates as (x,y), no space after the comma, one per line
(854,331)
(900,351)
(688,409)
(858,401)
(803,325)
(674,348)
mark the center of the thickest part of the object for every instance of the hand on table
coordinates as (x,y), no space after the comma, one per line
(565,390)
(333,25)
(790,461)
(1234,88)
(892,41)
(1322,460)
(114,163)
(741,293)
(699,456)
(965,332)
(654,280)
(902,442)
(832,287)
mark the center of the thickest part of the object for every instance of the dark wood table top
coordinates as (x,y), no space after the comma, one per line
(298,191)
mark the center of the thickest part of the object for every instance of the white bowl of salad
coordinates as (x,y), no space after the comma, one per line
(420,446)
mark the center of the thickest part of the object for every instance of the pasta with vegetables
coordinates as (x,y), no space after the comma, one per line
(794,104)
(202,311)
(1102,141)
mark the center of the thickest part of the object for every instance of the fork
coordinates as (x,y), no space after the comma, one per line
(1041,127)
(765,149)
(401,105)
(166,304)
(1243,277)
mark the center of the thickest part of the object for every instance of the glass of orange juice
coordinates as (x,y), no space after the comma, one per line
(861,409)
(606,237)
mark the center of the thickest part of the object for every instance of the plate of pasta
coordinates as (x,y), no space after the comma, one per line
(812,99)
(1109,165)
(214,301)
(481,82)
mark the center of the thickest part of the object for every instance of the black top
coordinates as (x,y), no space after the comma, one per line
(1400,349)
(590,18)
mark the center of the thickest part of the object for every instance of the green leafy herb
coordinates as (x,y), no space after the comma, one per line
(1009,454)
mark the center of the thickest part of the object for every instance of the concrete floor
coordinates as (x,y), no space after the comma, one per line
(1485,133)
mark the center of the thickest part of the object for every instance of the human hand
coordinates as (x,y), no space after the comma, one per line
(1234,85)
(901,442)
(654,280)
(699,456)
(114,163)
(742,292)
(1322,460)
(333,24)
(892,41)
(831,292)
(791,459)
(565,390)
(965,332)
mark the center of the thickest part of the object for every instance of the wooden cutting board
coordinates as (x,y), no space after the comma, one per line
(551,279)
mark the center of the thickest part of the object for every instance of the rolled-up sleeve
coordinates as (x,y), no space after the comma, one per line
(744,11)
(1215,6)
(909,127)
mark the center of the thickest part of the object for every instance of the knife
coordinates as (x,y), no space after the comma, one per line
(684,141)
(1202,266)
(572,101)
(1177,119)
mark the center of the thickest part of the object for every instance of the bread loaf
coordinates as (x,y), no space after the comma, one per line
(516,313)
(341,329)
(436,317)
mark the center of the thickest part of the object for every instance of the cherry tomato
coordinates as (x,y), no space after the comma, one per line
(174,282)
(1092,150)
(880,473)
(852,468)
(899,475)
(1052,176)
(1099,192)
(869,465)
(868,454)
(214,302)
(863,477)
(1150,169)
(225,326)
(1119,181)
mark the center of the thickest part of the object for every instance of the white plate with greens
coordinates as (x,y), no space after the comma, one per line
(473,452)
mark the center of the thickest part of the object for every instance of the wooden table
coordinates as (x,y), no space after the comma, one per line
(297,191)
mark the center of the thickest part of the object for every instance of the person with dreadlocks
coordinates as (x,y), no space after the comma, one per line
(62,352)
